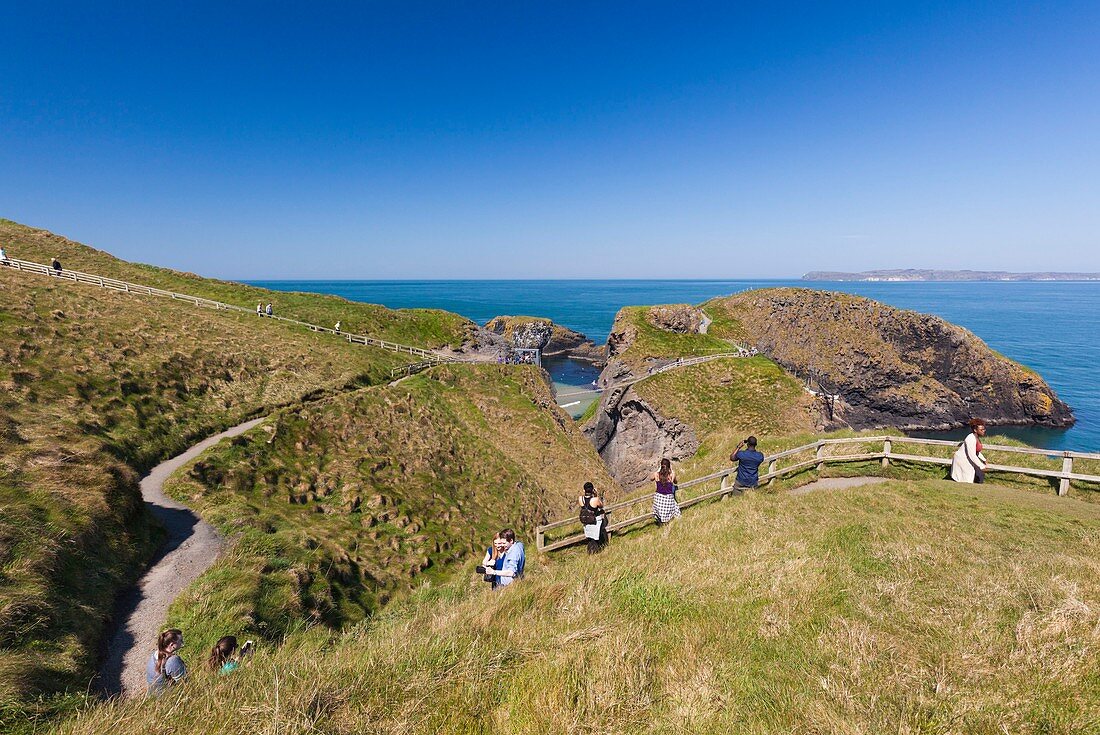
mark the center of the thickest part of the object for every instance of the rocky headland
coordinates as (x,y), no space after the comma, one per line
(552,339)
(890,367)
(862,364)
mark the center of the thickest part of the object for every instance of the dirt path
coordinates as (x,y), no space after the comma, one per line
(191,547)
(837,483)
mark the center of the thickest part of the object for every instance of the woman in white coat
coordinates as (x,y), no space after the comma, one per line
(968,464)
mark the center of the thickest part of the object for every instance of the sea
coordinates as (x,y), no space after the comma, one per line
(1052,327)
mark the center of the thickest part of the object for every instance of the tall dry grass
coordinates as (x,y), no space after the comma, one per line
(910,607)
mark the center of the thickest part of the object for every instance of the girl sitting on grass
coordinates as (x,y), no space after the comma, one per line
(224,657)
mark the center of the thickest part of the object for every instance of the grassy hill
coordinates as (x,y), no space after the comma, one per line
(343,504)
(914,606)
(97,386)
(726,400)
(428,328)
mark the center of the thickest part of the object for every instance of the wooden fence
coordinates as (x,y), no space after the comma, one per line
(817,456)
(116,285)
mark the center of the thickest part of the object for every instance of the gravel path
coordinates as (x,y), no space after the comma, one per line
(837,483)
(192,546)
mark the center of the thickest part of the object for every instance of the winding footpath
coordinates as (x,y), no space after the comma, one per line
(191,548)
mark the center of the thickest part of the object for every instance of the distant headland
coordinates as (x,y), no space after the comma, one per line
(914,274)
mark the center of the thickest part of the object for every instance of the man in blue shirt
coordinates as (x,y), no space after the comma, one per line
(514,560)
(748,464)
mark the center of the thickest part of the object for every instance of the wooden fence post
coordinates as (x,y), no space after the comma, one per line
(820,457)
(540,539)
(771,470)
(887,446)
(1067,468)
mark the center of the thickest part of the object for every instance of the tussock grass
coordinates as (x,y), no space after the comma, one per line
(915,606)
(96,387)
(339,506)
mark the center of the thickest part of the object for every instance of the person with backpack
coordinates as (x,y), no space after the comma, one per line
(56,265)
(593,517)
(269,311)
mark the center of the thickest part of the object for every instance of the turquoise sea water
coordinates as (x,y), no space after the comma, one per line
(1050,327)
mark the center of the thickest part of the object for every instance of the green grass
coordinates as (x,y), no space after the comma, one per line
(652,342)
(428,328)
(726,400)
(342,505)
(915,606)
(95,387)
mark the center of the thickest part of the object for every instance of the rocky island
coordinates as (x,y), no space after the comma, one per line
(552,339)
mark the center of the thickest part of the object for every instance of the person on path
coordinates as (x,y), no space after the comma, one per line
(259,309)
(165,667)
(665,507)
(337,328)
(225,657)
(56,265)
(748,464)
(593,517)
(3,256)
(968,464)
(269,311)
(515,559)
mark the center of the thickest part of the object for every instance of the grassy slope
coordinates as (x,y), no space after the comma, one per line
(95,387)
(653,342)
(427,328)
(361,496)
(910,607)
(98,386)
(725,401)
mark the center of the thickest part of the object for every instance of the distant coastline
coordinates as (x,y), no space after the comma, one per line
(913,274)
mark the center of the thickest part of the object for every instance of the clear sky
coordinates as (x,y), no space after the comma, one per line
(522,139)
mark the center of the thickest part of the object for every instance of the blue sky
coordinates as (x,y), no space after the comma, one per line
(516,140)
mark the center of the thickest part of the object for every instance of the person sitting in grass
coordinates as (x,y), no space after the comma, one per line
(514,560)
(225,656)
(494,559)
(748,464)
(165,667)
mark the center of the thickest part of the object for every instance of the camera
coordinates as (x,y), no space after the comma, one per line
(480,569)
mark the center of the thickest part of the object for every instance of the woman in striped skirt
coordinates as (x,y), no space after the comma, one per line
(665,507)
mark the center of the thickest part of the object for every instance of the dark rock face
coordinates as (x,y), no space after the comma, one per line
(543,334)
(632,437)
(892,367)
(678,318)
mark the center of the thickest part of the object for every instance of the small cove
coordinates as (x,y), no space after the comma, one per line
(1049,326)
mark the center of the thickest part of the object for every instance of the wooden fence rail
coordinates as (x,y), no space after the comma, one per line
(818,456)
(136,288)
